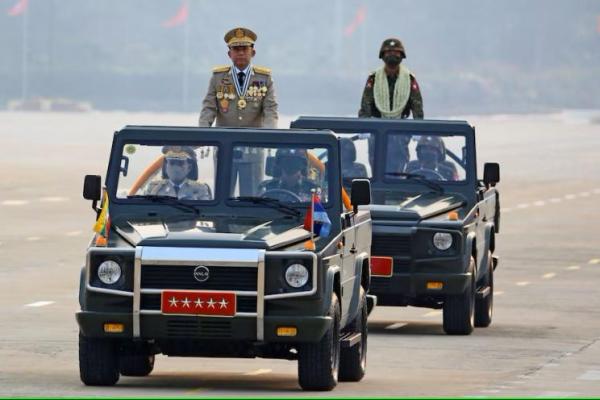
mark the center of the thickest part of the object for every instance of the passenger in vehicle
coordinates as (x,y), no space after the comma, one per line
(430,162)
(179,175)
(350,168)
(290,181)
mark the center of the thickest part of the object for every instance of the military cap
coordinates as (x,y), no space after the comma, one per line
(240,37)
(179,152)
(392,44)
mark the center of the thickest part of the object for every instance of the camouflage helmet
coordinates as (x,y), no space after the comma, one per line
(434,142)
(392,44)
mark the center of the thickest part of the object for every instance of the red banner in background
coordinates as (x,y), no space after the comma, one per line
(359,18)
(19,8)
(179,18)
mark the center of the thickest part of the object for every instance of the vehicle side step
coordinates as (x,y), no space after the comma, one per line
(371,303)
(495,262)
(483,292)
(350,339)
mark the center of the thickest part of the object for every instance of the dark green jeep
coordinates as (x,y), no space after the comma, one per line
(201,251)
(434,221)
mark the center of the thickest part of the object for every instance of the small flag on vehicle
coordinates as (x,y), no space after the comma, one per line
(102,225)
(317,221)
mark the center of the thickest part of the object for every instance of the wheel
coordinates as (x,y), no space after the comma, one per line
(485,307)
(98,361)
(459,310)
(136,362)
(318,363)
(353,360)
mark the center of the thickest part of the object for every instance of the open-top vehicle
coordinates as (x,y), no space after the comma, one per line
(434,221)
(185,265)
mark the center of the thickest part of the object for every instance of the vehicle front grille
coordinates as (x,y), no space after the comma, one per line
(182,277)
(243,303)
(183,327)
(390,245)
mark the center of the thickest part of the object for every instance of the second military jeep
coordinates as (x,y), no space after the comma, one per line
(186,263)
(434,221)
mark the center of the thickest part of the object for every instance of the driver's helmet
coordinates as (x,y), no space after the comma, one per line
(430,147)
(291,160)
(181,153)
(348,150)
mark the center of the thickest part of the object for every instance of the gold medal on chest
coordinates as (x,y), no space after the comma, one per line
(224,105)
(219,95)
(241,104)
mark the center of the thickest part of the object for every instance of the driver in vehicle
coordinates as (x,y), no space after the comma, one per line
(179,175)
(289,175)
(431,163)
(350,168)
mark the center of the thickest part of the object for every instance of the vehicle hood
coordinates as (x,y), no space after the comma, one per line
(217,232)
(418,207)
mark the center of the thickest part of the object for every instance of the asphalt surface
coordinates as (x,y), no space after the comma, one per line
(544,339)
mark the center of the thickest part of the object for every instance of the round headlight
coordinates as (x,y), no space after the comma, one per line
(109,272)
(296,275)
(442,240)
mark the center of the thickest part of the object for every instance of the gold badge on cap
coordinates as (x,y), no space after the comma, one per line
(239,33)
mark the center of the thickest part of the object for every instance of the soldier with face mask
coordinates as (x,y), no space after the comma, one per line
(391,91)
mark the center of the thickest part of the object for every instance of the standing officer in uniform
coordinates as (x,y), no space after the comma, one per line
(392,91)
(241,95)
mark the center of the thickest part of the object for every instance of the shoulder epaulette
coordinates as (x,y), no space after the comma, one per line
(262,70)
(221,68)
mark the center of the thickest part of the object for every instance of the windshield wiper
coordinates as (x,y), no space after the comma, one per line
(418,178)
(267,201)
(171,201)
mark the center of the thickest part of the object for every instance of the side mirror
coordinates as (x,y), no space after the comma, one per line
(361,193)
(92,189)
(491,174)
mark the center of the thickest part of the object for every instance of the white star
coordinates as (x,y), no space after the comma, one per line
(186,302)
(198,303)
(211,303)
(392,43)
(173,301)
(223,303)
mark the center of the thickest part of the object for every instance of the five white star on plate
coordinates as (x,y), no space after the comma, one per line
(173,301)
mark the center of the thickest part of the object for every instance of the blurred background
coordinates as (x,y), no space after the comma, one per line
(469,56)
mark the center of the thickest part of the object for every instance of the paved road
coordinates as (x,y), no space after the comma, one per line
(544,339)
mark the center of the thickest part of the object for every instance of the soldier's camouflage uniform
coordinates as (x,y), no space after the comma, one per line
(188,190)
(368,109)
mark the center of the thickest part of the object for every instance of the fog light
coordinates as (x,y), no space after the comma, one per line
(110,327)
(435,285)
(287,331)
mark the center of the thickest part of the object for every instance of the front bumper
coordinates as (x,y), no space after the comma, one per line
(413,285)
(163,326)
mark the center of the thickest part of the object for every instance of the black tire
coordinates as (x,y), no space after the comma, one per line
(136,362)
(318,363)
(484,307)
(98,361)
(353,360)
(459,310)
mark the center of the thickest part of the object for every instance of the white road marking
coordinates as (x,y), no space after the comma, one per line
(498,293)
(258,372)
(570,196)
(555,200)
(523,205)
(14,202)
(490,391)
(53,199)
(591,375)
(39,304)
(33,238)
(594,261)
(505,210)
(522,283)
(549,275)
(584,194)
(432,314)
(539,203)
(573,268)
(396,325)
(597,191)
(73,233)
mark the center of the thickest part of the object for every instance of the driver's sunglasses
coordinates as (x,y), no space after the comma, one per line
(176,162)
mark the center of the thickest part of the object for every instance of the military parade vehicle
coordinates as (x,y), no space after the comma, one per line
(186,263)
(434,221)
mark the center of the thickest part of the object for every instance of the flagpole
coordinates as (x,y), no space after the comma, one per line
(24,50)
(184,80)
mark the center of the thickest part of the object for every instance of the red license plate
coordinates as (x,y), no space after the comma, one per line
(198,303)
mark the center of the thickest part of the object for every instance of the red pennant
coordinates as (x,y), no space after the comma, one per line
(180,18)
(19,8)
(359,18)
